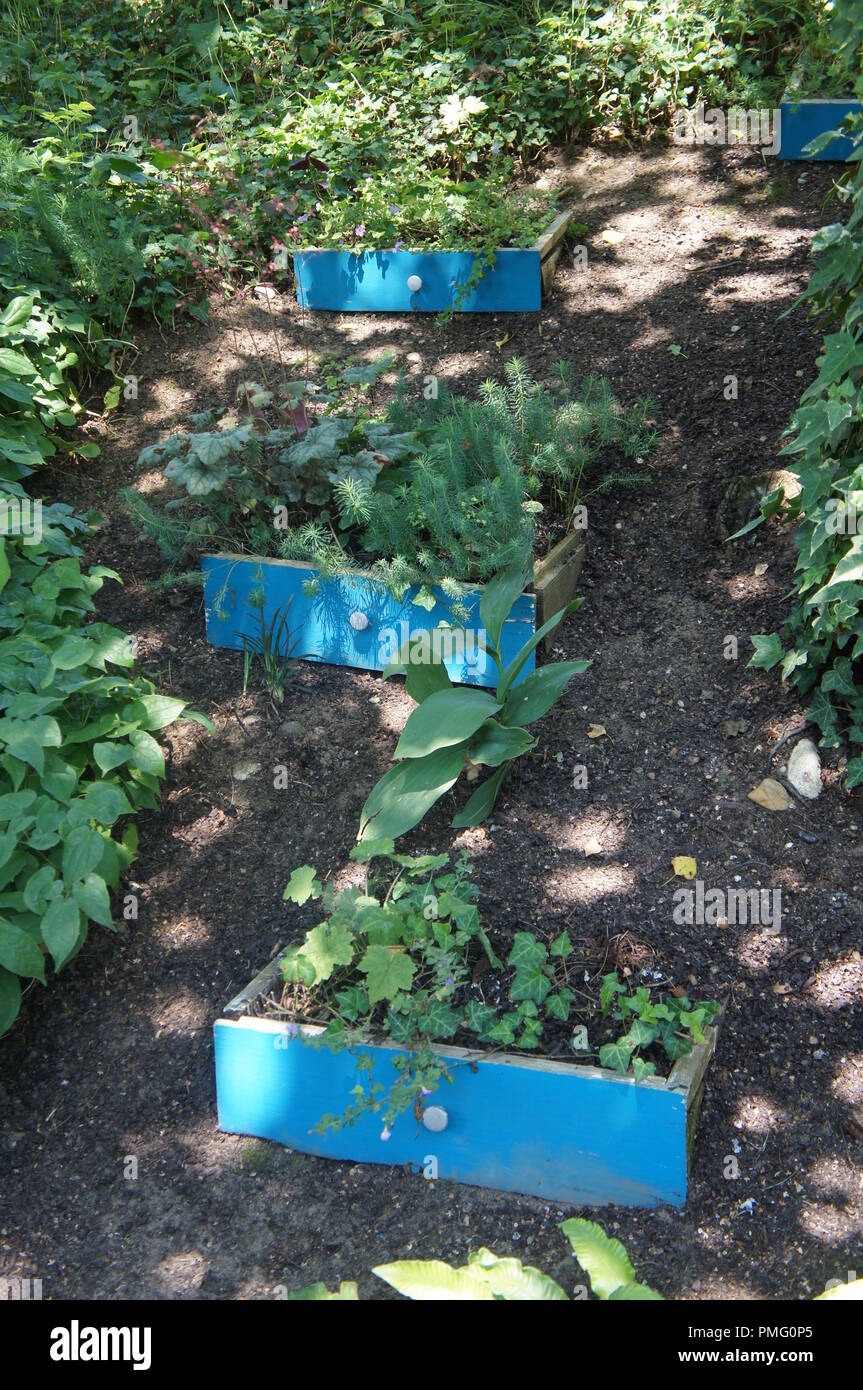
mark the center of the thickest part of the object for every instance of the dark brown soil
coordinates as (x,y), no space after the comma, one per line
(115,1058)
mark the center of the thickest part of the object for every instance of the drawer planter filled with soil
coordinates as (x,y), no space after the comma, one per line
(323,533)
(513,280)
(817,101)
(352,620)
(382,1077)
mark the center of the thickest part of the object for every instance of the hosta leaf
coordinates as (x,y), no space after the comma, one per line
(511,1280)
(536,695)
(424,1280)
(481,804)
(494,744)
(404,794)
(602,1258)
(446,717)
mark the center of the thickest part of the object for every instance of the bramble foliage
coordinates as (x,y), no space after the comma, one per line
(820,647)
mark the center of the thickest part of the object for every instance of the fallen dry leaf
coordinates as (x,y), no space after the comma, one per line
(783,989)
(684,866)
(612,237)
(502,342)
(771,795)
(592,846)
(761,569)
(596,731)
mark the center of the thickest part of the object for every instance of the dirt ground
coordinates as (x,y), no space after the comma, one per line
(116,1060)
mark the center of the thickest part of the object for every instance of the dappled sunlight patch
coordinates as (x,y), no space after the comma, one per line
(182,1273)
(758,1114)
(839,1212)
(589,883)
(839,984)
(758,950)
(183,1014)
(848,1080)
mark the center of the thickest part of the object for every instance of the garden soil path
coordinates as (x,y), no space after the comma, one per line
(115,1061)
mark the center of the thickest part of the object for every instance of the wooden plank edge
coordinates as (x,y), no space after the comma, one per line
(547,242)
(556,576)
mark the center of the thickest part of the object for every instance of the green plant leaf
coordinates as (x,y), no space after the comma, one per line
(536,695)
(10,999)
(522,655)
(494,744)
(60,927)
(603,1259)
(91,895)
(445,717)
(527,959)
(481,804)
(388,970)
(318,1293)
(497,601)
(403,795)
(327,946)
(302,885)
(19,952)
(511,1280)
(424,1280)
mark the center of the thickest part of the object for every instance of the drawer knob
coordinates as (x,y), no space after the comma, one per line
(414,283)
(359,621)
(435,1118)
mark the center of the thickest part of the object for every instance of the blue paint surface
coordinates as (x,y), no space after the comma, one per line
(320,623)
(562,1135)
(376,281)
(803,121)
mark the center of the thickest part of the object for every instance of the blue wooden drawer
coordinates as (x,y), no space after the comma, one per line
(403,282)
(558,1130)
(804,120)
(321,624)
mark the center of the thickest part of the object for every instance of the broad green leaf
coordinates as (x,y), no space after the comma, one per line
(82,851)
(494,744)
(446,717)
(388,970)
(433,1280)
(527,959)
(634,1292)
(497,601)
(10,999)
(602,1258)
(60,930)
(522,655)
(19,952)
(481,804)
(536,695)
(422,677)
(91,895)
(327,946)
(403,795)
(511,1280)
(768,650)
(616,1055)
(302,885)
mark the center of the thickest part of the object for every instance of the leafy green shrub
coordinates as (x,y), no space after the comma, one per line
(820,648)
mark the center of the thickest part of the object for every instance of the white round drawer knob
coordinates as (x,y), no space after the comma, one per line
(435,1118)
(414,283)
(358,621)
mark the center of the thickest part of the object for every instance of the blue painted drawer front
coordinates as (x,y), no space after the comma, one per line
(558,1134)
(321,622)
(803,121)
(376,281)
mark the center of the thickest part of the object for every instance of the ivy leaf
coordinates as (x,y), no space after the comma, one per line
(768,650)
(388,970)
(559,1005)
(561,946)
(527,958)
(439,1020)
(642,1069)
(616,1055)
